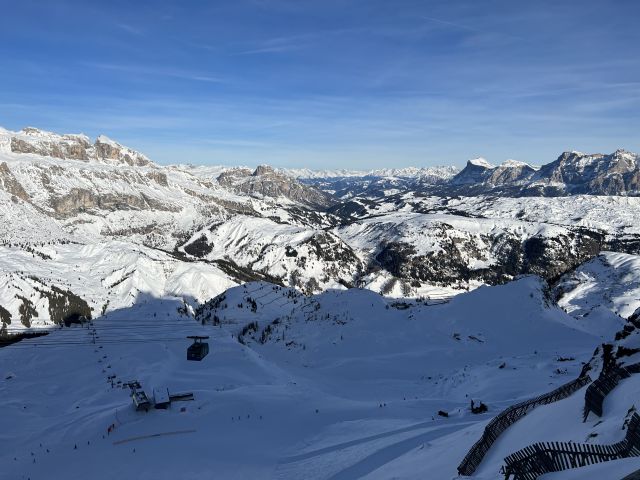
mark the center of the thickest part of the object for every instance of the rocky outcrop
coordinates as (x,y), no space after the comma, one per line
(510,172)
(264,181)
(80,200)
(9,183)
(476,171)
(598,174)
(108,150)
(159,177)
(35,141)
(479,171)
(572,173)
(74,147)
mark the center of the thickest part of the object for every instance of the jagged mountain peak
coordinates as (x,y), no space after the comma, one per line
(476,171)
(107,149)
(511,163)
(107,140)
(263,170)
(480,162)
(626,155)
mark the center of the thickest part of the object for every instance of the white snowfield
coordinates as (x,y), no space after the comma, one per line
(346,385)
(608,283)
(606,214)
(107,276)
(411,227)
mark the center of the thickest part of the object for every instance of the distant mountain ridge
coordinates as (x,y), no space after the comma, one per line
(443,172)
(571,173)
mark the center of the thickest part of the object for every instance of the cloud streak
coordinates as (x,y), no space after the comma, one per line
(156,71)
(455,25)
(130,29)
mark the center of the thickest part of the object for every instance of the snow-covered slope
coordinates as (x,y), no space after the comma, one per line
(50,284)
(340,385)
(602,293)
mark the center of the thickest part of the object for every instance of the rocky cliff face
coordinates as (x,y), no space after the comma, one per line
(510,172)
(47,144)
(10,184)
(74,147)
(614,174)
(481,174)
(476,171)
(107,150)
(264,181)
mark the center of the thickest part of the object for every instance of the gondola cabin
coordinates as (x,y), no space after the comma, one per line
(198,349)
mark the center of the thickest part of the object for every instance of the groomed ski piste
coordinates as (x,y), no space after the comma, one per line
(345,384)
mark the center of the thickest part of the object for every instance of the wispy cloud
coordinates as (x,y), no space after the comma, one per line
(133,30)
(295,42)
(274,47)
(281,44)
(456,25)
(157,71)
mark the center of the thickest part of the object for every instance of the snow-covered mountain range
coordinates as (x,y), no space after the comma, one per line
(352,316)
(572,173)
(68,204)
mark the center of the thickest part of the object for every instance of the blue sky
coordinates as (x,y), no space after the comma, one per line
(327,83)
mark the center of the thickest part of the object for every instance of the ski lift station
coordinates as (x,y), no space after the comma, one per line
(139,398)
(161,397)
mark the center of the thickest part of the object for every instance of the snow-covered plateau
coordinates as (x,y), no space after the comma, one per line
(360,324)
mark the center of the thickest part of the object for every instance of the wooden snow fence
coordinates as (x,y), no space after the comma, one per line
(603,385)
(511,415)
(546,457)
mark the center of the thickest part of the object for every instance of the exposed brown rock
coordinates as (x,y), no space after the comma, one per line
(9,183)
